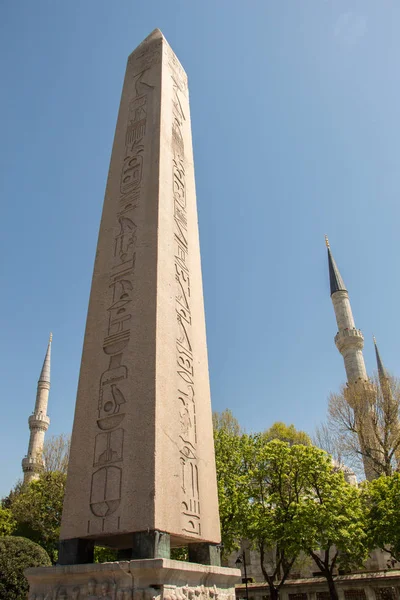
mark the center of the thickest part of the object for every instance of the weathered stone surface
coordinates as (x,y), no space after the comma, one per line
(142,455)
(153,579)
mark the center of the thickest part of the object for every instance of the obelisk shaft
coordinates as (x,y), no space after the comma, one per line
(142,454)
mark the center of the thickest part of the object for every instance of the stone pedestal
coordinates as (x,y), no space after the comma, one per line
(151,579)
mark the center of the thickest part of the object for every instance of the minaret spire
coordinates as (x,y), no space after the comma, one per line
(45,372)
(350,341)
(384,380)
(335,279)
(381,369)
(33,463)
(391,406)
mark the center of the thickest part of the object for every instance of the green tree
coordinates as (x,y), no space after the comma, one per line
(287,433)
(37,509)
(229,465)
(180,553)
(381,501)
(7,522)
(103,554)
(232,474)
(296,502)
(16,555)
(8,500)
(273,482)
(331,518)
(227,422)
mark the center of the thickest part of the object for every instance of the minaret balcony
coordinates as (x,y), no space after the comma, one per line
(349,338)
(32,463)
(39,421)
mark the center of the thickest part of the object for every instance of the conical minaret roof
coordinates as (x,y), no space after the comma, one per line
(335,279)
(45,372)
(381,369)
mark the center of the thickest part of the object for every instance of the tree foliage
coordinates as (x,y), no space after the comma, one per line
(7,522)
(287,500)
(331,518)
(56,453)
(103,554)
(16,555)
(272,485)
(180,553)
(382,500)
(227,422)
(7,501)
(287,433)
(229,465)
(363,426)
(37,509)
(326,438)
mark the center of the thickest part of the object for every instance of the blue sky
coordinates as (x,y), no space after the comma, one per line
(296,134)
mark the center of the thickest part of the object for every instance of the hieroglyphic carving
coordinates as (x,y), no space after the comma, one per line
(114,391)
(190,497)
(175,66)
(149,55)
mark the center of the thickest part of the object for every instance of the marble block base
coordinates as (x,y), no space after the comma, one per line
(149,579)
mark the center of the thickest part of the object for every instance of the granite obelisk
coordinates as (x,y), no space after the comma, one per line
(142,471)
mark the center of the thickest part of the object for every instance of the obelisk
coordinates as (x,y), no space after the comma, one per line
(141,476)
(142,470)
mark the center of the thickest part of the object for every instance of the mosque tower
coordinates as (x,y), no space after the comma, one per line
(382,373)
(33,463)
(350,341)
(391,404)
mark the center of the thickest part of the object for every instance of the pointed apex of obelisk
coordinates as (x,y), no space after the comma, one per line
(335,279)
(45,372)
(156,33)
(155,37)
(381,368)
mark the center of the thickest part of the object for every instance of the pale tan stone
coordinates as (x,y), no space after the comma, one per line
(151,579)
(142,454)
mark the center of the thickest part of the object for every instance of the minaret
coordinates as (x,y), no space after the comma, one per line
(384,380)
(391,407)
(39,422)
(350,341)
(383,376)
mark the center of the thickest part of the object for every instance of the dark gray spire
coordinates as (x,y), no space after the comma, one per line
(381,369)
(335,279)
(45,372)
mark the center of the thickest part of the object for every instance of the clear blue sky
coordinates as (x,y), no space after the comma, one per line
(295,110)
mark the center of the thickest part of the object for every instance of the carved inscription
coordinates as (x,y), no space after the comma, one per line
(187,443)
(179,74)
(149,55)
(119,589)
(114,391)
